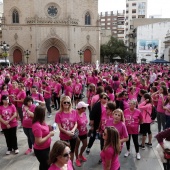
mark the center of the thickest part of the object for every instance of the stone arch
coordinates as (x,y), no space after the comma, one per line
(89,49)
(12,9)
(12,49)
(53,42)
(88,11)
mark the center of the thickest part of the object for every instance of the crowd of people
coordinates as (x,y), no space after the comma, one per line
(120,102)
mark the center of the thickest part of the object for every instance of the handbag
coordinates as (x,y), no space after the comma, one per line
(76,134)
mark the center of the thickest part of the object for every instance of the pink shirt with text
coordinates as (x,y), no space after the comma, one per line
(54,167)
(67,121)
(21,95)
(27,119)
(6,113)
(132,120)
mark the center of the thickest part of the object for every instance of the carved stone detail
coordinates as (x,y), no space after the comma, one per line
(16,36)
(41,20)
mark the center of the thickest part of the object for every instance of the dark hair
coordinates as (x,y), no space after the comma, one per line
(165,90)
(27,99)
(109,88)
(142,91)
(2,88)
(154,88)
(99,90)
(57,150)
(148,96)
(4,97)
(39,115)
(103,94)
(111,105)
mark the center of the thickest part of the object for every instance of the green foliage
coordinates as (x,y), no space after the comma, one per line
(114,48)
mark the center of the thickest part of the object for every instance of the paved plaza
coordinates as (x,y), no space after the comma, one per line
(149,159)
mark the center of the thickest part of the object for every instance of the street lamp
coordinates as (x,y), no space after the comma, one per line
(80,53)
(27,53)
(5,48)
(156,53)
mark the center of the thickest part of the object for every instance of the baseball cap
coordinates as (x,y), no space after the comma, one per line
(81,105)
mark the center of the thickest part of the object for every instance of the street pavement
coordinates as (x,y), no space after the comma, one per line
(149,159)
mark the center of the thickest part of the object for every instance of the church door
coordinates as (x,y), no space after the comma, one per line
(53,55)
(87,56)
(17,56)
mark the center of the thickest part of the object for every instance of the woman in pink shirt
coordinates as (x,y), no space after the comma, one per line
(9,124)
(146,110)
(167,111)
(77,92)
(162,95)
(118,123)
(4,90)
(133,118)
(42,133)
(111,150)
(66,118)
(28,114)
(59,158)
(82,127)
(109,91)
(20,99)
(46,89)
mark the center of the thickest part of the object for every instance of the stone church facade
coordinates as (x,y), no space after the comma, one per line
(54,31)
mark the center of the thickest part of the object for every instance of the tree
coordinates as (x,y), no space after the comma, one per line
(114,48)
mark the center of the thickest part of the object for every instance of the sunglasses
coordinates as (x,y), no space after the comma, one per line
(105,98)
(66,154)
(66,102)
(6,99)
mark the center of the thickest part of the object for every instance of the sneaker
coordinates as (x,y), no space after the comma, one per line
(8,152)
(49,116)
(100,161)
(82,158)
(149,144)
(142,147)
(88,150)
(28,151)
(16,151)
(138,157)
(127,154)
(78,163)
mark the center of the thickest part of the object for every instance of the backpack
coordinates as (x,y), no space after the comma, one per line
(153,113)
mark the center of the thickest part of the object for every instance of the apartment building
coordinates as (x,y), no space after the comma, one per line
(114,21)
(134,9)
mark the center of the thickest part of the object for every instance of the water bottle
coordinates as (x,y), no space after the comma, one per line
(54,127)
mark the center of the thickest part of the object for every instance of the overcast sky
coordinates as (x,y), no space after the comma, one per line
(155,7)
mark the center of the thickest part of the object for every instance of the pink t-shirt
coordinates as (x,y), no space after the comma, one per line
(108,154)
(82,123)
(41,130)
(67,121)
(4,92)
(69,91)
(146,110)
(47,95)
(160,104)
(37,96)
(94,99)
(104,118)
(54,167)
(6,113)
(132,120)
(111,96)
(166,111)
(13,92)
(120,127)
(57,88)
(21,95)
(27,120)
(77,88)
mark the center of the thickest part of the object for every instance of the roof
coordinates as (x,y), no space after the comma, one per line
(159,61)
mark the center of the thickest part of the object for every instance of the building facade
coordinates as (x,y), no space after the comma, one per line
(134,9)
(151,38)
(54,31)
(114,21)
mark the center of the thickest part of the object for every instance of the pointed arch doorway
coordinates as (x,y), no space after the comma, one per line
(17,56)
(53,55)
(87,56)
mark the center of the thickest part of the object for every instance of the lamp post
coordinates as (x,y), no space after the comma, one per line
(80,53)
(156,53)
(27,53)
(5,48)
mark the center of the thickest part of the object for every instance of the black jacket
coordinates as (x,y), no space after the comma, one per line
(96,114)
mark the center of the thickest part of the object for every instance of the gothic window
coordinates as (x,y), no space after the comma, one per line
(15,17)
(87,19)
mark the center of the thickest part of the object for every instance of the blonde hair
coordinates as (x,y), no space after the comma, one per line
(61,103)
(122,114)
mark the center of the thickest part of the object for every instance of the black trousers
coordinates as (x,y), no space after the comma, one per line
(11,138)
(42,156)
(30,136)
(56,101)
(135,141)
